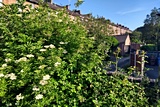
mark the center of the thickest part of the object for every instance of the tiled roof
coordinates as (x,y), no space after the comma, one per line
(121,38)
(56,7)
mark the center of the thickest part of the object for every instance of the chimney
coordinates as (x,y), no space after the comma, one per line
(67,7)
(78,11)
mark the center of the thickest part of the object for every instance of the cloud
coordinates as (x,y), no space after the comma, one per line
(131,11)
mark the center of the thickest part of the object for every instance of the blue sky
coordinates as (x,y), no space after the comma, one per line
(130,13)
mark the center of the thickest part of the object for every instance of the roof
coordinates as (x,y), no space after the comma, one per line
(56,7)
(121,38)
(33,1)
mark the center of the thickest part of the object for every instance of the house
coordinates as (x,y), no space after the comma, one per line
(34,3)
(120,29)
(124,43)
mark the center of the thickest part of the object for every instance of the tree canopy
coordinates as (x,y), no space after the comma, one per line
(151,29)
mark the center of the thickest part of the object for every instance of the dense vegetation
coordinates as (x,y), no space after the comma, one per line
(149,33)
(47,59)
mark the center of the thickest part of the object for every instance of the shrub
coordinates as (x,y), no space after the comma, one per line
(149,47)
(49,60)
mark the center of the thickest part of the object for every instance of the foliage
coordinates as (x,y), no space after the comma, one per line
(99,30)
(151,29)
(78,3)
(149,47)
(47,59)
(136,37)
(116,53)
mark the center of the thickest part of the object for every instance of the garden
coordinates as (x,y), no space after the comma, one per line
(49,60)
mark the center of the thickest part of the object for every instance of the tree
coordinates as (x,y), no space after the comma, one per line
(136,37)
(152,27)
(78,3)
(98,28)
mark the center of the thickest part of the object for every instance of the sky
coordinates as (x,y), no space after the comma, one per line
(130,13)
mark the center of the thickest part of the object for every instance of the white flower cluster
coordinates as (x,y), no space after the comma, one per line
(39,96)
(7,60)
(42,50)
(19,96)
(64,51)
(63,43)
(12,76)
(22,70)
(4,65)
(93,38)
(46,77)
(42,66)
(35,88)
(1,75)
(44,80)
(57,63)
(49,46)
(30,56)
(21,60)
(57,12)
(9,104)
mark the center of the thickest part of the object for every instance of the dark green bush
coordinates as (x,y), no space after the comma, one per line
(149,47)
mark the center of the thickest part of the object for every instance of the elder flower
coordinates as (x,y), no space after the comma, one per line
(43,82)
(35,88)
(4,65)
(42,50)
(57,63)
(30,55)
(42,66)
(51,46)
(7,60)
(12,76)
(61,43)
(64,51)
(22,70)
(46,46)
(57,12)
(19,96)
(1,75)
(39,96)
(21,59)
(46,77)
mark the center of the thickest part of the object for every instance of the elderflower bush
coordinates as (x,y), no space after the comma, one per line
(48,60)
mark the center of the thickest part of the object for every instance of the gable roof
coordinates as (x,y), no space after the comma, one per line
(121,38)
